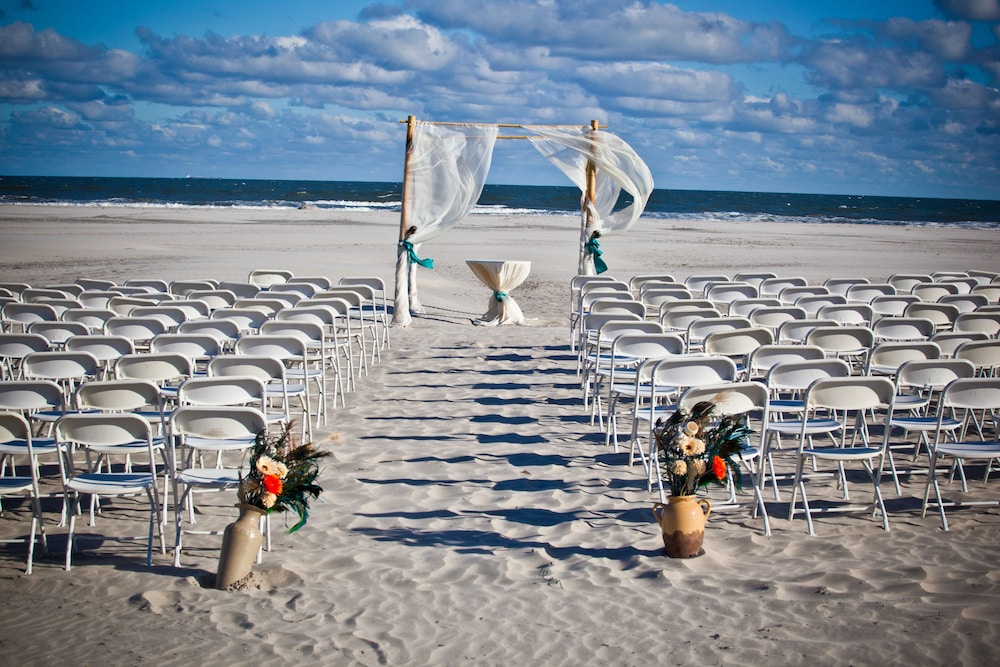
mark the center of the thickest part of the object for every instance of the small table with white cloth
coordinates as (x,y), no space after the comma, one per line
(501,276)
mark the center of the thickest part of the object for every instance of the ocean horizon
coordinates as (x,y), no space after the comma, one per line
(701,205)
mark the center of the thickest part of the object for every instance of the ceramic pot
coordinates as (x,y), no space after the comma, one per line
(240,544)
(682,522)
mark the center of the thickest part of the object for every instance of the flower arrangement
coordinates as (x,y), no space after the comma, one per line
(282,475)
(700,447)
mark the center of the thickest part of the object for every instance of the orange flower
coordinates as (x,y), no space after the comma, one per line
(719,467)
(273,484)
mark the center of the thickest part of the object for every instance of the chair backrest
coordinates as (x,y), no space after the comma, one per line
(738,342)
(266,369)
(841,285)
(636,283)
(303,290)
(655,297)
(24,314)
(104,348)
(17,345)
(850,313)
(93,318)
(612,329)
(934,291)
(268,277)
(774,286)
(891,305)
(798,375)
(214,298)
(679,319)
(932,373)
(58,332)
(247,319)
(755,278)
(95,284)
(14,428)
(774,316)
(812,303)
(697,283)
(864,293)
(283,347)
(222,422)
(702,327)
(965,303)
(193,309)
(222,390)
(97,298)
(941,314)
(151,284)
(949,341)
(744,307)
(136,329)
(160,367)
(171,316)
(990,291)
(60,366)
(903,328)
(796,331)
(287,297)
(647,346)
(31,395)
(731,398)
(240,290)
(855,393)
(842,339)
(971,393)
(618,306)
(194,346)
(684,371)
(984,354)
(765,357)
(223,330)
(308,332)
(267,307)
(887,357)
(118,396)
(988,323)
(104,430)
(905,282)
(793,293)
(728,291)
(124,305)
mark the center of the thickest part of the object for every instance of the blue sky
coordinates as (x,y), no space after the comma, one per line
(893,97)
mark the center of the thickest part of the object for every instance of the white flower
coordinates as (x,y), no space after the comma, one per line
(268,466)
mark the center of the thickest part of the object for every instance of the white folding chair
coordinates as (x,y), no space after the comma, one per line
(838,398)
(966,395)
(196,430)
(16,440)
(105,434)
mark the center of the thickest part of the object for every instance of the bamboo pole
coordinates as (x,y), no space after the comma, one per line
(586,265)
(401,302)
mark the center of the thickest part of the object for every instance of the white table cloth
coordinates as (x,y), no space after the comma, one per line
(501,276)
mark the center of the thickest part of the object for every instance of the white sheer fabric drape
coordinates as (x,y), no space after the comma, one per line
(448,165)
(618,168)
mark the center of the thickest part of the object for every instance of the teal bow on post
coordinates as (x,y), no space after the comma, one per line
(408,247)
(594,248)
(499,296)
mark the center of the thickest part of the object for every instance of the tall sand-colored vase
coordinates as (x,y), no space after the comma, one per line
(682,522)
(240,544)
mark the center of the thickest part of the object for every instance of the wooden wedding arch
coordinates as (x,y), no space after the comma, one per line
(445,168)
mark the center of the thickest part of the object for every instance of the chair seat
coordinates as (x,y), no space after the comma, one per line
(14,485)
(910,402)
(39,447)
(109,483)
(813,426)
(220,477)
(924,423)
(213,445)
(137,447)
(970,450)
(843,453)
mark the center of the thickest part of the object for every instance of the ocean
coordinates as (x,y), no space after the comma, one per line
(497,200)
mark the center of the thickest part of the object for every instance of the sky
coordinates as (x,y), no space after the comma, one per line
(876,97)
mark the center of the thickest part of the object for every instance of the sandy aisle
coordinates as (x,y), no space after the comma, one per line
(471,512)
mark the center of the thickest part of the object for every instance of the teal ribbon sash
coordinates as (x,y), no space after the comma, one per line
(408,247)
(594,248)
(499,296)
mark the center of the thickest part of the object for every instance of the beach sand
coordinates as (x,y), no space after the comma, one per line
(471,513)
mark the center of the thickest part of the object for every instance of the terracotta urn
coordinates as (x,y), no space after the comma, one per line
(682,523)
(241,543)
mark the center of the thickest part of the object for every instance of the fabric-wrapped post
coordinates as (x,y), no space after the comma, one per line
(501,276)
